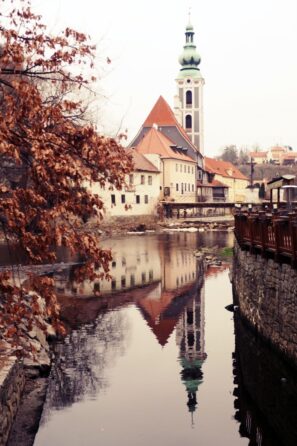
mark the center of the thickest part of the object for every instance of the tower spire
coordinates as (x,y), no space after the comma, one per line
(189,59)
(189,99)
(189,14)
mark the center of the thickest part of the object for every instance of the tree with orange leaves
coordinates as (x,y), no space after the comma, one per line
(47,154)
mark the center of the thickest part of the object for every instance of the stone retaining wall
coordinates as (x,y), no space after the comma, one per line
(12,381)
(266,293)
(266,392)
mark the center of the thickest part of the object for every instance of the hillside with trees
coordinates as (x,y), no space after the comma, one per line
(242,159)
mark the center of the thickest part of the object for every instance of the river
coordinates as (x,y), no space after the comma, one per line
(153,359)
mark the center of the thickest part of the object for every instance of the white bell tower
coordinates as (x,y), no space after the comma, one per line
(188,103)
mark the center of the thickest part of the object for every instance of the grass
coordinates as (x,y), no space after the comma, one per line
(226,252)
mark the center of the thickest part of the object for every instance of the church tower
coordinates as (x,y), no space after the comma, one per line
(189,99)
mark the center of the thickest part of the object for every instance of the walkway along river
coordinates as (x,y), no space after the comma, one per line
(155,361)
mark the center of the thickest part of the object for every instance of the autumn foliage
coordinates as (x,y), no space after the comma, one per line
(48,155)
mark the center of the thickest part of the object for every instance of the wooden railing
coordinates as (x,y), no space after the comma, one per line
(268,233)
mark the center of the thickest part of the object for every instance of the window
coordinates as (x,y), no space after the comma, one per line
(137,199)
(189,187)
(113,284)
(185,187)
(188,122)
(146,199)
(190,317)
(188,169)
(143,277)
(192,187)
(113,199)
(114,264)
(189,99)
(151,274)
(131,179)
(185,168)
(123,281)
(176,187)
(181,167)
(142,179)
(132,280)
(191,339)
(96,287)
(150,180)
(192,169)
(123,199)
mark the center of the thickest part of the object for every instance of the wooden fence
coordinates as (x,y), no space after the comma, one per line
(268,233)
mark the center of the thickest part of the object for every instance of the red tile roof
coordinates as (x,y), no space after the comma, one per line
(214,183)
(155,142)
(160,114)
(141,162)
(153,309)
(258,154)
(163,116)
(289,155)
(223,168)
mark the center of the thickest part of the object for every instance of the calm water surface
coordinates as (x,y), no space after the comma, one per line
(153,360)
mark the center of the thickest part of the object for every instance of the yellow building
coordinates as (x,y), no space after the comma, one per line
(178,170)
(228,174)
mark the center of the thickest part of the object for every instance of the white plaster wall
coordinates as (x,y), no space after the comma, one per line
(181,173)
(180,269)
(136,262)
(152,191)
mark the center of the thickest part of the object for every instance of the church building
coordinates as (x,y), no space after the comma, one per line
(177,135)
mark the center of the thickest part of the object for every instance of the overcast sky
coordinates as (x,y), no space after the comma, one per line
(249,62)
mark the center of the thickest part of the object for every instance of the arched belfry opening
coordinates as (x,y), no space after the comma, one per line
(188,122)
(189,98)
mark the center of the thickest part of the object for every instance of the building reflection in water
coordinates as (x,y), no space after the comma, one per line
(165,281)
(265,391)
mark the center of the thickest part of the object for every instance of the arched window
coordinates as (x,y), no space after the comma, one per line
(188,98)
(188,122)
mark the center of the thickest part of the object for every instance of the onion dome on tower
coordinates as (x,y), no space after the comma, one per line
(189,59)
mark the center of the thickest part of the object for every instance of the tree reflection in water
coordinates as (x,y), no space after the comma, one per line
(82,361)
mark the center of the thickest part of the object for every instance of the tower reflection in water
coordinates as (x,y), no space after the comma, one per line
(165,281)
(190,338)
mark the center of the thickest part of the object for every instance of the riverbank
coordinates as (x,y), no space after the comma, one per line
(143,224)
(25,362)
